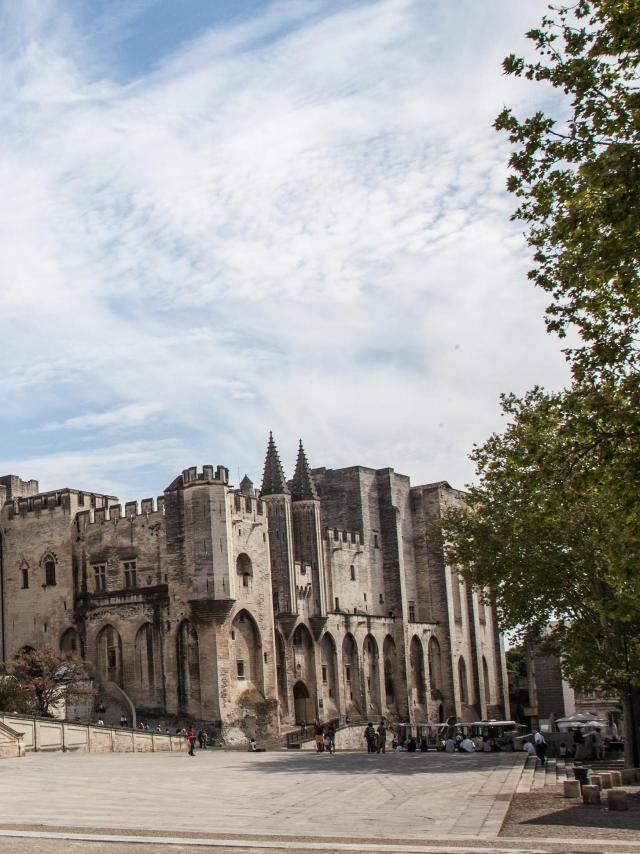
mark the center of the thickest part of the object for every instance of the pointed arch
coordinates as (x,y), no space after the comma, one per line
(435,664)
(109,654)
(329,670)
(462,679)
(244,569)
(188,660)
(70,641)
(416,655)
(351,675)
(390,656)
(281,673)
(146,666)
(486,681)
(246,652)
(370,660)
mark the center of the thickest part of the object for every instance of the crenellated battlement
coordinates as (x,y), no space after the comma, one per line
(67,500)
(207,475)
(113,513)
(247,505)
(343,539)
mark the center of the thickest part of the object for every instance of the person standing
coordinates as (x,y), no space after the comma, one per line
(201,739)
(541,746)
(191,738)
(382,738)
(370,737)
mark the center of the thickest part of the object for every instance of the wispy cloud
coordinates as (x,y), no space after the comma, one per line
(294,221)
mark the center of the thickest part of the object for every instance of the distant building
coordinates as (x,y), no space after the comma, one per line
(323,596)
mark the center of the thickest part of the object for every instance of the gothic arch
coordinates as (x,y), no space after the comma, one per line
(486,683)
(390,656)
(109,654)
(416,655)
(246,652)
(371,674)
(70,641)
(329,668)
(145,657)
(351,675)
(462,679)
(244,569)
(435,665)
(281,673)
(188,660)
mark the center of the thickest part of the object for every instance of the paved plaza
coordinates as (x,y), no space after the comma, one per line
(348,796)
(236,801)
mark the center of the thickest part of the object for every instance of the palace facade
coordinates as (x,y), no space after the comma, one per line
(321,596)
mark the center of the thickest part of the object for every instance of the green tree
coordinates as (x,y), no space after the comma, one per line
(551,529)
(52,676)
(13,697)
(577,176)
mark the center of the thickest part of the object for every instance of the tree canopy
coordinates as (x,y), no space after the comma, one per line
(50,675)
(577,176)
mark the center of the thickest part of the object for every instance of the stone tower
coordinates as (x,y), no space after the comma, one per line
(276,495)
(307,543)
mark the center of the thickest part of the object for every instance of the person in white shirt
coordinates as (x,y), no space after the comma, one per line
(467,745)
(540,745)
(529,748)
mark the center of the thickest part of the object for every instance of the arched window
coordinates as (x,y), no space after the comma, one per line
(244,568)
(49,566)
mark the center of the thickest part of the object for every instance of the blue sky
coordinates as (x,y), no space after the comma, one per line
(224,218)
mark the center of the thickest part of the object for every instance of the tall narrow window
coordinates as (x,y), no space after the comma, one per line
(324,674)
(100,577)
(353,572)
(412,612)
(240,667)
(50,572)
(25,578)
(130,573)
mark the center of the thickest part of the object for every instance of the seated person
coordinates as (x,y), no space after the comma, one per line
(467,746)
(449,745)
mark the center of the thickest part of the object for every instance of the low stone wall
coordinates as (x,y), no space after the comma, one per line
(11,742)
(49,734)
(347,738)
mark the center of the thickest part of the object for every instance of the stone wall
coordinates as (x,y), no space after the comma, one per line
(44,734)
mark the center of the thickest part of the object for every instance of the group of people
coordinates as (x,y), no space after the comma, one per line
(376,739)
(537,746)
(325,738)
(459,743)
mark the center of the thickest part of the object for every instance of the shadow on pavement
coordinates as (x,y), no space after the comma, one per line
(390,763)
(581,815)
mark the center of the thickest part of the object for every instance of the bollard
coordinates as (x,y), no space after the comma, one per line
(605,779)
(581,774)
(595,780)
(616,778)
(617,800)
(628,776)
(572,788)
(591,795)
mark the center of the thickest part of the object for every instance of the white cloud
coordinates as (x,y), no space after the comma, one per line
(296,222)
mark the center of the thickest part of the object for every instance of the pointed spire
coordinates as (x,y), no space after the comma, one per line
(302,486)
(246,485)
(273,479)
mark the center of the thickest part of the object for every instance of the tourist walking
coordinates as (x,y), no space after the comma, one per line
(191,738)
(370,737)
(202,739)
(382,738)
(540,746)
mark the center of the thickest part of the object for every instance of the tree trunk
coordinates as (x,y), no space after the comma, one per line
(631,704)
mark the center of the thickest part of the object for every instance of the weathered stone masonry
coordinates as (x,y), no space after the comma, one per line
(321,596)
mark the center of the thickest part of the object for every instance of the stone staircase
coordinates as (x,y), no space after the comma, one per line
(555,771)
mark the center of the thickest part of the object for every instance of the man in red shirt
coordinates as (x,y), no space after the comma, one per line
(191,738)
